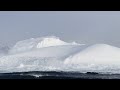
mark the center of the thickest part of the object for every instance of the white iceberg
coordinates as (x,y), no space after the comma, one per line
(52,54)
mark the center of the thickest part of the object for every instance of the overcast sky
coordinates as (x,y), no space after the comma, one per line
(80,26)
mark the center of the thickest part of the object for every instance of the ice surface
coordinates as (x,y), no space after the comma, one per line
(52,54)
(35,43)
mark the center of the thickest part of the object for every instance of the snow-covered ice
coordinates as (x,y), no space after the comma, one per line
(52,54)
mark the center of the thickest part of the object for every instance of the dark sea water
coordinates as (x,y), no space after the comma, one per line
(57,75)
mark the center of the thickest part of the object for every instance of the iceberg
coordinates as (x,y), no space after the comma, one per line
(53,54)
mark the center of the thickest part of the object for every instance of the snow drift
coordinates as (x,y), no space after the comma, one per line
(52,54)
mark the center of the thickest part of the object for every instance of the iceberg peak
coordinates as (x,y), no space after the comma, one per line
(50,41)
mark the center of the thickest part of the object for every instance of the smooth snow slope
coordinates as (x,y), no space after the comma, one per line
(98,57)
(53,54)
(97,54)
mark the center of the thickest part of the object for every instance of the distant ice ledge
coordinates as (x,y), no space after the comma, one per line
(35,43)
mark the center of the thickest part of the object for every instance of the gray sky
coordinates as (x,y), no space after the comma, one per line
(80,26)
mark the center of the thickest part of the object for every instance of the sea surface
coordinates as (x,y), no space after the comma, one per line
(57,75)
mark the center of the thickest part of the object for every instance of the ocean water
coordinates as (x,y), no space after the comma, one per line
(57,75)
